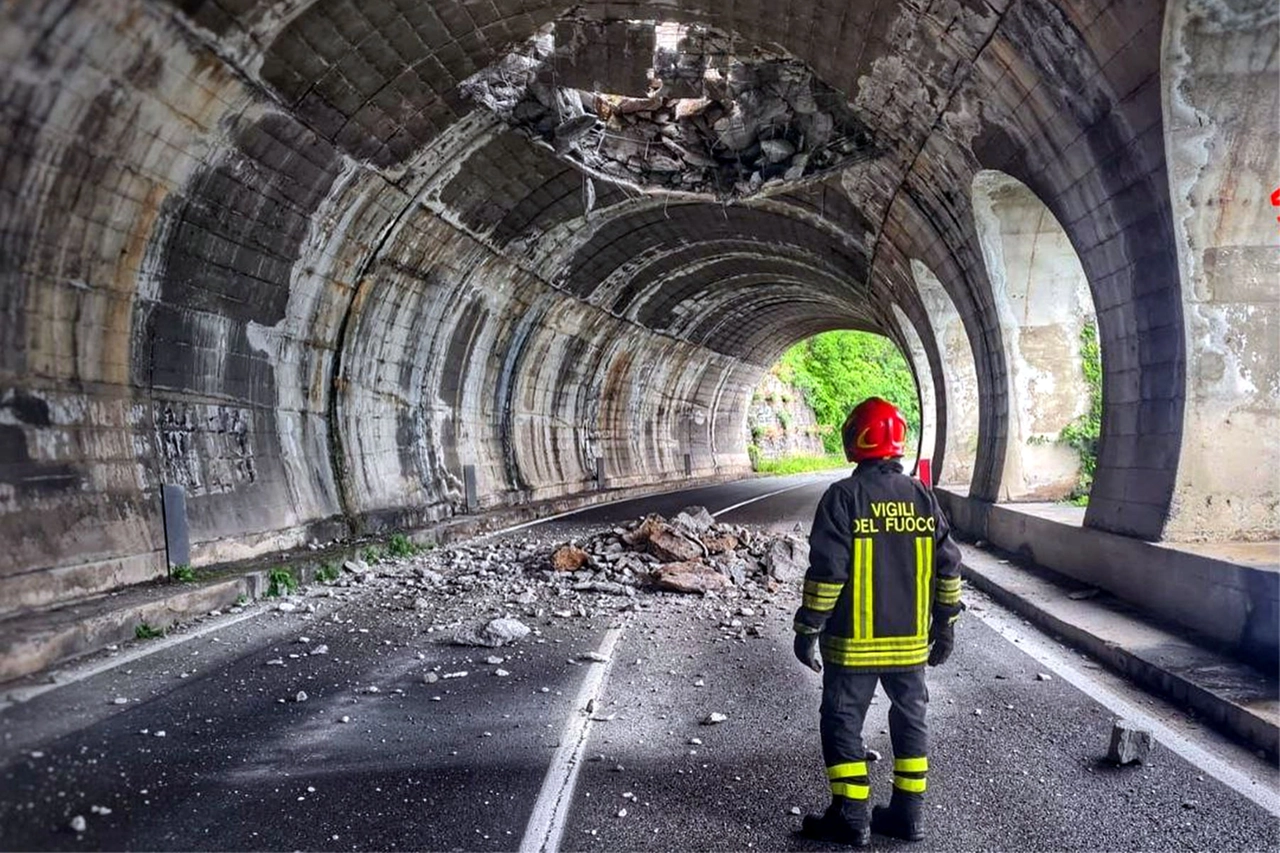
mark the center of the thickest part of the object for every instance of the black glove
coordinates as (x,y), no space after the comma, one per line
(806,649)
(942,639)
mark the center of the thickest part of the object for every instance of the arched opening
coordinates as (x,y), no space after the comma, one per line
(1049,328)
(958,447)
(797,410)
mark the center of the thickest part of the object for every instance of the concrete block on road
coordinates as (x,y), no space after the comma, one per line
(1129,743)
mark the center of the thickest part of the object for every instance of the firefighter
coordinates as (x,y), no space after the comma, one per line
(880,599)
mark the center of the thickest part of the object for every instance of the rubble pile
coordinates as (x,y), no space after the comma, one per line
(691,553)
(475,594)
(712,123)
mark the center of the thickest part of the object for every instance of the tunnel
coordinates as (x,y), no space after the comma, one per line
(325,269)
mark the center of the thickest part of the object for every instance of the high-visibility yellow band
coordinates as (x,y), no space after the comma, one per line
(848,769)
(875,644)
(948,598)
(911,765)
(912,658)
(822,605)
(913,786)
(949,583)
(853,792)
(823,589)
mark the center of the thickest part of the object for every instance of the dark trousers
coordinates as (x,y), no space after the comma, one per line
(846,695)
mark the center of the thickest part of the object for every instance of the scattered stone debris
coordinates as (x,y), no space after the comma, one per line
(119,700)
(873,755)
(713,718)
(301,696)
(430,678)
(102,810)
(1129,743)
(321,649)
(795,810)
(78,824)
(1043,676)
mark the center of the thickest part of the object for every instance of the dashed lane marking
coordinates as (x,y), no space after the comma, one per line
(808,482)
(551,811)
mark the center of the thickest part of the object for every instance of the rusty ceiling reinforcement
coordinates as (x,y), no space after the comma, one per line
(716,118)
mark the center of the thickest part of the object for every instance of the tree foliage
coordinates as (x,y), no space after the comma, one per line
(837,370)
(1081,435)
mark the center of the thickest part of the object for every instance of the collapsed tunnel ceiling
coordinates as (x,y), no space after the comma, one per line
(286,255)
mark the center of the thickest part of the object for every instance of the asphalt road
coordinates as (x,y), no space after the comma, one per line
(488,761)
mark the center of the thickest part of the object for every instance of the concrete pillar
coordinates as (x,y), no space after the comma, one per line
(1221,99)
(927,446)
(1043,301)
(959,379)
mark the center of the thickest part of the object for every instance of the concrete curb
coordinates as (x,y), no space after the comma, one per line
(1227,694)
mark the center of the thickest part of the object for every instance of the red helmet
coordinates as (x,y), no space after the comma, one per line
(875,429)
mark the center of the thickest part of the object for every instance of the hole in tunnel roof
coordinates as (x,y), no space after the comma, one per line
(681,110)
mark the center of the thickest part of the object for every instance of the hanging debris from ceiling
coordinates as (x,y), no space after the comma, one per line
(715,118)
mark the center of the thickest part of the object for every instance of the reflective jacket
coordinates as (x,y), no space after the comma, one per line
(882,566)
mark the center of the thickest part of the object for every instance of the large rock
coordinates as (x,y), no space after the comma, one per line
(1129,743)
(641,533)
(569,558)
(720,543)
(498,632)
(695,519)
(788,558)
(692,576)
(671,546)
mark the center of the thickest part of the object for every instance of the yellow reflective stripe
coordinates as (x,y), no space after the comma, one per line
(868,599)
(911,765)
(853,792)
(949,583)
(852,644)
(914,786)
(920,615)
(822,605)
(823,589)
(855,581)
(872,661)
(849,768)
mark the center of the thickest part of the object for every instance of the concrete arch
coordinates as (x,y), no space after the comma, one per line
(959,380)
(1042,300)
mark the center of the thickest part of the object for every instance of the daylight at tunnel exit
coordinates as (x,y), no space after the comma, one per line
(508,425)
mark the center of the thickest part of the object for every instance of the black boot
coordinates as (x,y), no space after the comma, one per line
(902,818)
(844,822)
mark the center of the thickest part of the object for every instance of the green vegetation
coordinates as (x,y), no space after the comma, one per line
(182,573)
(1081,435)
(400,545)
(371,554)
(327,572)
(784,418)
(837,370)
(144,631)
(280,581)
(242,600)
(795,464)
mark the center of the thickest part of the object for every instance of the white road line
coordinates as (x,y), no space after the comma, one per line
(808,482)
(61,678)
(551,811)
(1053,657)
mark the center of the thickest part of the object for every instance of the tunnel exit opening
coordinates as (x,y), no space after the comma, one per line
(1051,345)
(800,403)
